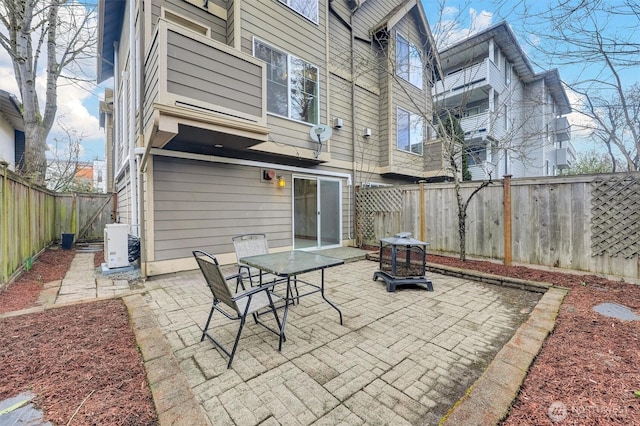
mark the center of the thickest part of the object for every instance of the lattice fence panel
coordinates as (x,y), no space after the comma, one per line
(615,212)
(370,202)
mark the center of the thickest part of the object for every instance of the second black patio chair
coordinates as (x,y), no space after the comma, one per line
(253,245)
(234,306)
(250,245)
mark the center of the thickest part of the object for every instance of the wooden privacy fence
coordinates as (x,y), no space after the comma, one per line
(589,223)
(32,217)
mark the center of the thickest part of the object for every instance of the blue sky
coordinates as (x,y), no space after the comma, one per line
(78,103)
(527,19)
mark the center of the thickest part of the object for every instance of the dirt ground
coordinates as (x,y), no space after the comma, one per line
(85,358)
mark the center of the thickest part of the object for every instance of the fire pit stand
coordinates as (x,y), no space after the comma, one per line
(396,271)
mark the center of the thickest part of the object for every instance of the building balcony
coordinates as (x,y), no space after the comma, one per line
(562,129)
(200,93)
(565,157)
(481,126)
(470,79)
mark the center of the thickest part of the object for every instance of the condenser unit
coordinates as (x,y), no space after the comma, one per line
(116,253)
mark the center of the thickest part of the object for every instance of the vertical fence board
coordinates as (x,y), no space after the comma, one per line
(552,221)
(32,217)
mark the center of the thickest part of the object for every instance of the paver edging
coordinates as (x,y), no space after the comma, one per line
(537,286)
(467,410)
(470,274)
(158,351)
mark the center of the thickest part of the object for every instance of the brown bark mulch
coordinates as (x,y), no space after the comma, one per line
(81,361)
(588,370)
(586,373)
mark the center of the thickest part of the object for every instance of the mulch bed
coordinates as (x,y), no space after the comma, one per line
(586,372)
(82,361)
(23,293)
(589,367)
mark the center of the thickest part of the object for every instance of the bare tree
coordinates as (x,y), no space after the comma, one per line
(64,162)
(603,38)
(368,61)
(59,33)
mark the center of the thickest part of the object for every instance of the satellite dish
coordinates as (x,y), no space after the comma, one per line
(320,133)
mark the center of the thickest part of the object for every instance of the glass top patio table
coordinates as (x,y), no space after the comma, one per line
(290,264)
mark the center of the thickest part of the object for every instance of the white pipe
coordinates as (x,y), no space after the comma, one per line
(131,133)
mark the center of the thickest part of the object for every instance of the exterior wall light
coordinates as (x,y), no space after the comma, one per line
(281,182)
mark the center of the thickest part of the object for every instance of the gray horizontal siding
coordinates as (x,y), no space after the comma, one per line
(217,25)
(151,83)
(204,73)
(202,205)
(295,35)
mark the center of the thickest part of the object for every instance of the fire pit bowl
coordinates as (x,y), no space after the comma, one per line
(397,270)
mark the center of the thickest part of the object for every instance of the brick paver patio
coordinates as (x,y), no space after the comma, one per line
(399,358)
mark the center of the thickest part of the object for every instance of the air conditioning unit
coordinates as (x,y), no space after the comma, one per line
(116,250)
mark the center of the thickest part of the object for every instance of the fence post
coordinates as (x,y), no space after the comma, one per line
(4,223)
(506,186)
(422,212)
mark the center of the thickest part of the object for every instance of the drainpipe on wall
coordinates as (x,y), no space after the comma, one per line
(352,191)
(131,133)
(143,250)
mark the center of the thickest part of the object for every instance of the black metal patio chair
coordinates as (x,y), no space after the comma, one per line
(239,305)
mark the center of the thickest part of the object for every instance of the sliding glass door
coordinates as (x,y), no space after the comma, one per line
(317,211)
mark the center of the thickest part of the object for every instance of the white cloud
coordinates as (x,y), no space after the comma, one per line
(581,125)
(449,31)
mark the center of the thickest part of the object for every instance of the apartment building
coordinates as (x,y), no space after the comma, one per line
(513,118)
(234,116)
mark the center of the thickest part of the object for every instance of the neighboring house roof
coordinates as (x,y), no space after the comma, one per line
(110,14)
(10,109)
(506,40)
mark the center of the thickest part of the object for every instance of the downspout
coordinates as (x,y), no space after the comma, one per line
(141,54)
(352,192)
(131,133)
(117,128)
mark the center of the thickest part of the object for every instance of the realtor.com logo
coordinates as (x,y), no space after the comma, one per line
(558,411)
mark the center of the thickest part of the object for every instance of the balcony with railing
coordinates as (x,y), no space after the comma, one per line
(562,129)
(482,74)
(195,82)
(482,125)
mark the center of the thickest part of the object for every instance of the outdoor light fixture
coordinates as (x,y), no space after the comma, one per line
(281,182)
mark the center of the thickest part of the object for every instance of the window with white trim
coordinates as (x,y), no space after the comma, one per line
(306,8)
(410,132)
(292,84)
(408,62)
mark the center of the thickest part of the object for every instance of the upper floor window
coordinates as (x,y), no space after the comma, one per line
(306,8)
(292,84)
(408,61)
(410,132)
(507,73)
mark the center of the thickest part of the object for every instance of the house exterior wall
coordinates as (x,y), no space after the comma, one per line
(7,143)
(206,79)
(123,193)
(193,13)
